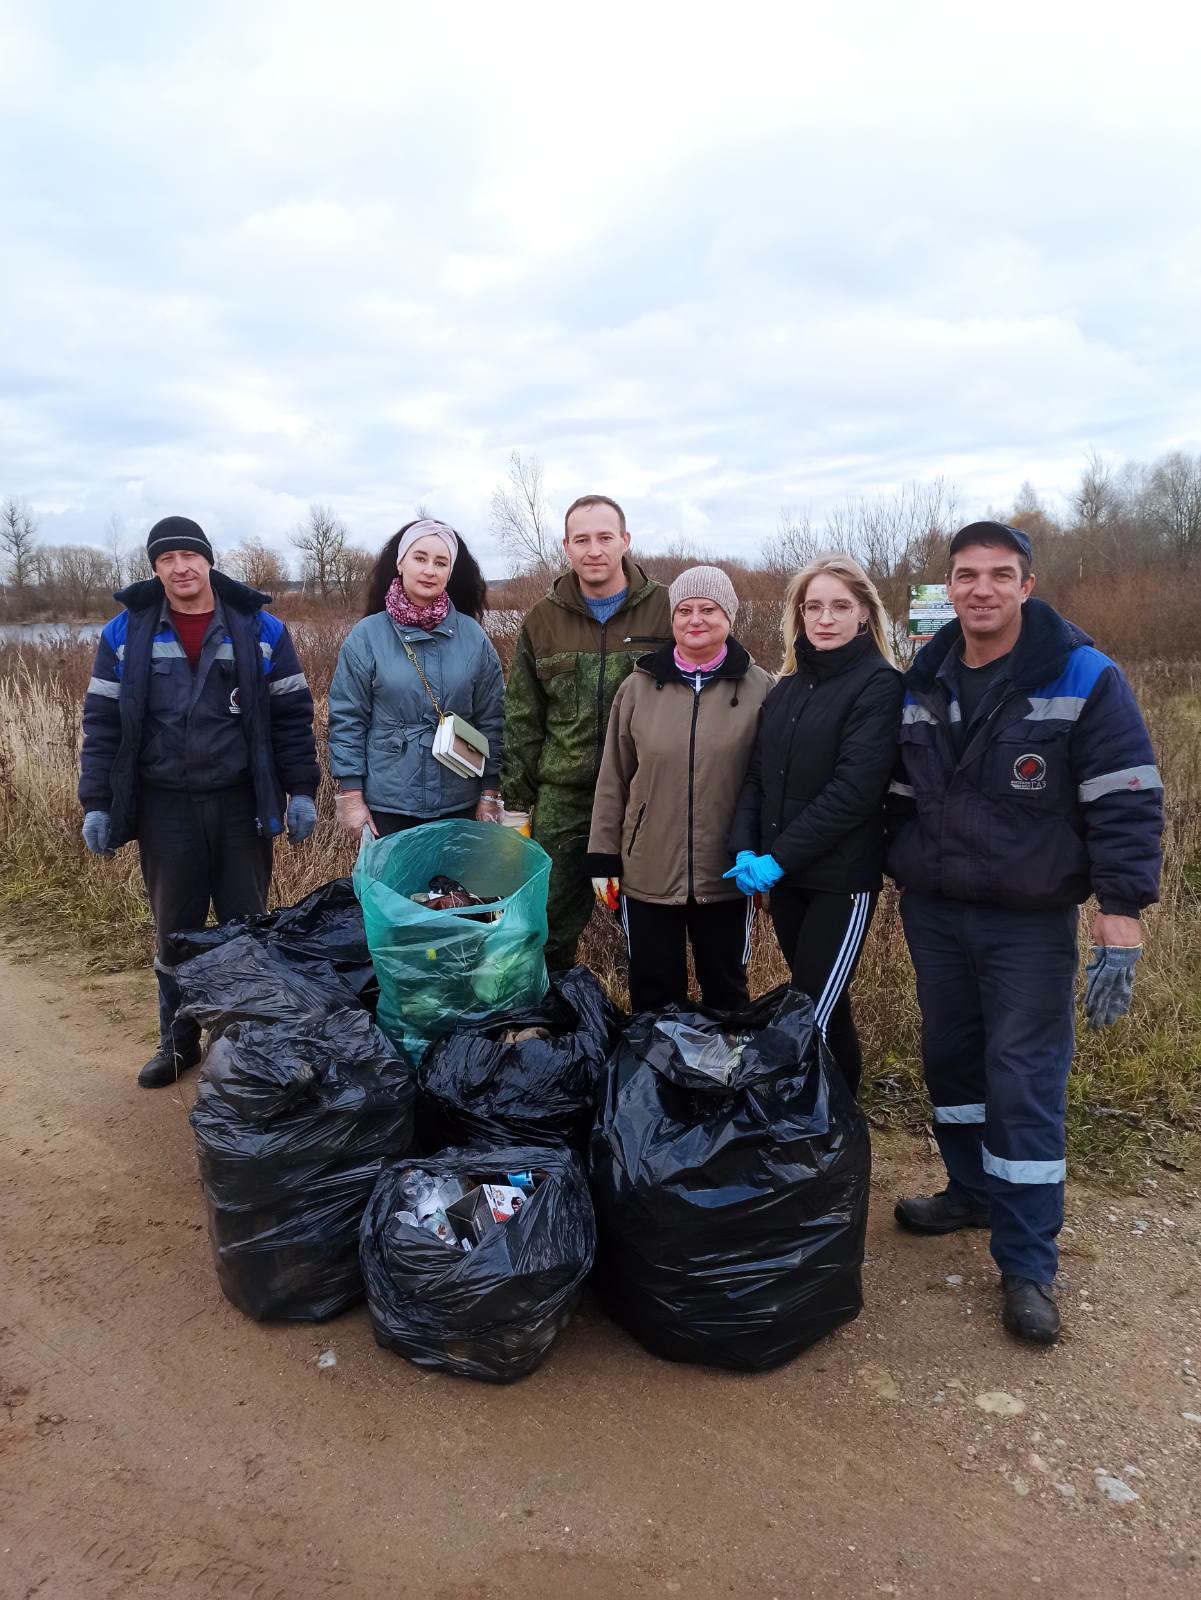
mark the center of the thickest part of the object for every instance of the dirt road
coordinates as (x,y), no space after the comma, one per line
(155,1443)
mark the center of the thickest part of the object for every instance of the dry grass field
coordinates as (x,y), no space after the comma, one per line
(1136,1091)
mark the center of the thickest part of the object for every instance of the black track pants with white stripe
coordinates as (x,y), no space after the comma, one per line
(657,938)
(821,937)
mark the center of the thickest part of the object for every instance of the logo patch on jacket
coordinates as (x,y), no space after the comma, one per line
(235,703)
(1029,772)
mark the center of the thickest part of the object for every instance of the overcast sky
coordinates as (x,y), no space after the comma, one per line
(712,261)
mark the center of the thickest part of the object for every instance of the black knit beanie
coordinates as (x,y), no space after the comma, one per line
(177,533)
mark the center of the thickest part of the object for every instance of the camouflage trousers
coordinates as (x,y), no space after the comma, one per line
(562,820)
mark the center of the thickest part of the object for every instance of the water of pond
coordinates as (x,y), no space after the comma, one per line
(48,633)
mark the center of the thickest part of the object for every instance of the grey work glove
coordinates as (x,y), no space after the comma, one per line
(302,818)
(96,825)
(1109,983)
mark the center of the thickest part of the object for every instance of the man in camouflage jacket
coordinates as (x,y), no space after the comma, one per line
(576,646)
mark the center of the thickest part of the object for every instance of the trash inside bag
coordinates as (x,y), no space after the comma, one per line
(490,1310)
(242,980)
(521,1077)
(293,1122)
(444,894)
(325,928)
(435,966)
(730,1169)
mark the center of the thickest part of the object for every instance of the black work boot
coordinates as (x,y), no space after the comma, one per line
(940,1213)
(167,1063)
(1030,1311)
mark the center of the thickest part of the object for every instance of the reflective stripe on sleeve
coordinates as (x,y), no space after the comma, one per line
(916,713)
(1132,778)
(1057,708)
(268,650)
(959,1113)
(1023,1171)
(289,685)
(105,686)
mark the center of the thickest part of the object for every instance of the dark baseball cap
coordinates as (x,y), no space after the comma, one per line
(993,533)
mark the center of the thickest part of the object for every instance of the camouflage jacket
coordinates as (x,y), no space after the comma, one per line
(565,672)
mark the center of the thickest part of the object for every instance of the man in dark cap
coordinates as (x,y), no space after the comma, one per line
(1026,782)
(197,724)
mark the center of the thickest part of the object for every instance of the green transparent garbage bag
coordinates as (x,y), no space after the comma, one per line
(435,967)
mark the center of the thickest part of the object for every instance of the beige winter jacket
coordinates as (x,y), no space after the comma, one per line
(669,780)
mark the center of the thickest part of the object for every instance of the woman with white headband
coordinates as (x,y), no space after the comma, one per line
(418,654)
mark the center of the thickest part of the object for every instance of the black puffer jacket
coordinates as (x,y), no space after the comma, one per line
(814,794)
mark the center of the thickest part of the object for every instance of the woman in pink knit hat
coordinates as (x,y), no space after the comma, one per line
(419,652)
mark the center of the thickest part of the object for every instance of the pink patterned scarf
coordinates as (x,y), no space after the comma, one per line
(402,610)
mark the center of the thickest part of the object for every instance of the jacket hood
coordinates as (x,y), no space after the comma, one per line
(149,592)
(1040,655)
(661,664)
(566,590)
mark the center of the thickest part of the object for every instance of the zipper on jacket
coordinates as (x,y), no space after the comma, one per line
(637,827)
(646,638)
(600,695)
(696,706)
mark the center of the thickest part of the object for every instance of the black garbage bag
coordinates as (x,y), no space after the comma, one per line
(478,1089)
(293,1122)
(242,980)
(729,1170)
(492,1313)
(324,930)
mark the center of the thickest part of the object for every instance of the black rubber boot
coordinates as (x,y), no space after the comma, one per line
(167,1064)
(1030,1311)
(939,1213)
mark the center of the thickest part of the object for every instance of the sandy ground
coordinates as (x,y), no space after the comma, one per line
(154,1442)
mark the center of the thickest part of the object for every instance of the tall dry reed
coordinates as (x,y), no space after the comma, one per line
(1136,1089)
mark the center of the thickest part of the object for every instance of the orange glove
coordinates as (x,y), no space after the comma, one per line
(607,892)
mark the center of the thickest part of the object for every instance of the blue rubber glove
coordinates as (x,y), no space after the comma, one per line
(96,826)
(739,871)
(764,872)
(1110,983)
(302,818)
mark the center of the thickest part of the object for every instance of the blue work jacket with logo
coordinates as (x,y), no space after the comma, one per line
(245,715)
(1051,794)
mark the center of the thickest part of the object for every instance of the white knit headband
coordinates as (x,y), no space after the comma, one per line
(424,529)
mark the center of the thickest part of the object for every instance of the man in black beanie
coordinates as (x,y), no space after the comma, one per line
(197,723)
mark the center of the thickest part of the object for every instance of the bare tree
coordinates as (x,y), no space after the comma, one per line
(137,564)
(521,520)
(1095,499)
(18,539)
(321,541)
(353,570)
(793,545)
(78,578)
(114,544)
(1172,500)
(253,563)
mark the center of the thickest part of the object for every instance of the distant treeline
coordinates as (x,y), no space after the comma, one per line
(1122,557)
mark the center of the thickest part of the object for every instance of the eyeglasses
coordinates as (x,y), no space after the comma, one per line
(840,610)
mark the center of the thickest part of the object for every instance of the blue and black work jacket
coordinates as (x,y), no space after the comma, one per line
(1051,794)
(245,715)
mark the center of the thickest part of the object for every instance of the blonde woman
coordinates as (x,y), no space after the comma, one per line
(809,827)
